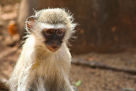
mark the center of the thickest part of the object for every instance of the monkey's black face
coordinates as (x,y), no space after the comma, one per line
(53,38)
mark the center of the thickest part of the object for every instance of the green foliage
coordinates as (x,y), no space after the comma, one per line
(78,83)
(128,89)
(19,0)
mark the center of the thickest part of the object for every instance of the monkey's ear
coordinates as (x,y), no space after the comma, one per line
(30,22)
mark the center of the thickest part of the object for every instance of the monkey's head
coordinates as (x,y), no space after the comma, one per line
(51,27)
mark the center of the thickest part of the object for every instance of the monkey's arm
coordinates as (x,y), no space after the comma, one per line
(19,78)
(75,88)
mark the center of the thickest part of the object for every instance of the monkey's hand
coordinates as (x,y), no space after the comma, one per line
(74,88)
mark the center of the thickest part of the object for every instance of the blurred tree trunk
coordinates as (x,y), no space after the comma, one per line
(25,10)
(104,25)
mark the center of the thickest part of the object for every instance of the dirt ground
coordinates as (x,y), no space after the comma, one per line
(92,79)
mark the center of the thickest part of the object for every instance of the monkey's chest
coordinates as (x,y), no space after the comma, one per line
(50,76)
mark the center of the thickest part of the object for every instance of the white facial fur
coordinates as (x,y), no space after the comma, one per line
(51,26)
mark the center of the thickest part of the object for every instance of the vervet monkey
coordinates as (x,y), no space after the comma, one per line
(45,60)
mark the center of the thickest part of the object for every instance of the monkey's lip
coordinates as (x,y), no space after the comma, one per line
(53,48)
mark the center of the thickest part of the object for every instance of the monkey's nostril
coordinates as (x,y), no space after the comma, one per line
(53,41)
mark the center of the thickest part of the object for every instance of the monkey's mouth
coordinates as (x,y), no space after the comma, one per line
(53,48)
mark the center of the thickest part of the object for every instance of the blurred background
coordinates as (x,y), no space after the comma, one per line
(104,52)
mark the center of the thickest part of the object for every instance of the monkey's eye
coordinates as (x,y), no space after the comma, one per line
(59,32)
(49,32)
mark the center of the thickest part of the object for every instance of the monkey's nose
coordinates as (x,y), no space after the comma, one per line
(54,42)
